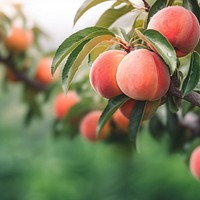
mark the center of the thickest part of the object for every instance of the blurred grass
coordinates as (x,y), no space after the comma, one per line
(36,166)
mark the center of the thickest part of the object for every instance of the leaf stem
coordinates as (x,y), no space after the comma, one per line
(128,48)
(147,6)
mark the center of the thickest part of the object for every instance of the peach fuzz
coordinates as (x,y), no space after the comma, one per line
(89,124)
(63,103)
(179,25)
(120,121)
(143,75)
(43,71)
(150,108)
(103,73)
(195,163)
(18,40)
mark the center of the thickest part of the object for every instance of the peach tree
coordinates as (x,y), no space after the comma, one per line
(153,65)
(23,61)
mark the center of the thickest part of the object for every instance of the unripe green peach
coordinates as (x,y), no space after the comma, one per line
(143,75)
(88,126)
(63,103)
(195,163)
(179,25)
(103,73)
(150,108)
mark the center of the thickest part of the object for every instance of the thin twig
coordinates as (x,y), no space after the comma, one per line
(147,6)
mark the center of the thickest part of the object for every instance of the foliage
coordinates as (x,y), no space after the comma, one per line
(75,56)
(185,72)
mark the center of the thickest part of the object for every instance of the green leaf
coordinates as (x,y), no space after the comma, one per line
(186,107)
(112,14)
(85,7)
(193,76)
(137,17)
(172,123)
(103,46)
(70,43)
(135,121)
(79,109)
(172,104)
(193,6)
(112,106)
(178,136)
(156,127)
(161,45)
(77,56)
(170,2)
(158,5)
(197,48)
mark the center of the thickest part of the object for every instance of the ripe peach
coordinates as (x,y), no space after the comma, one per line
(179,25)
(43,71)
(63,103)
(195,163)
(121,121)
(103,73)
(150,108)
(143,75)
(89,124)
(18,40)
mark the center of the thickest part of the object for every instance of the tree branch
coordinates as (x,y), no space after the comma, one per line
(192,97)
(22,76)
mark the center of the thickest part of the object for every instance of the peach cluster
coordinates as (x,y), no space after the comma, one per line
(140,74)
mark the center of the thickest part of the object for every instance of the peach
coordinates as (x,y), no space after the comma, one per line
(89,124)
(143,75)
(195,163)
(43,71)
(18,40)
(63,103)
(179,25)
(121,121)
(150,108)
(103,73)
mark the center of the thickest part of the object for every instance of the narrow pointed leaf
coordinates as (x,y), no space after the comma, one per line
(135,121)
(79,109)
(172,105)
(161,45)
(193,76)
(158,5)
(193,6)
(112,14)
(77,56)
(103,46)
(85,7)
(70,43)
(112,106)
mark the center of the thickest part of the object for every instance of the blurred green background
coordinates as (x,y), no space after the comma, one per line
(34,165)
